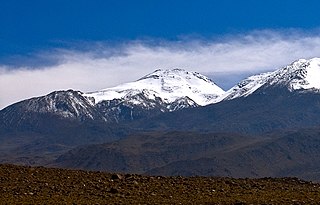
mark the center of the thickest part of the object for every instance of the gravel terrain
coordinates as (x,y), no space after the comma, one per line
(39,185)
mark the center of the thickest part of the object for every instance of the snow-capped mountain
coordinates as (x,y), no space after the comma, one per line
(64,104)
(165,85)
(158,92)
(301,75)
(163,91)
(246,86)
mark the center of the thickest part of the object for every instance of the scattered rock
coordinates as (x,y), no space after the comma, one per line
(114,191)
(52,186)
(117,176)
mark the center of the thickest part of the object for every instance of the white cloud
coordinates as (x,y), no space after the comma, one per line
(105,66)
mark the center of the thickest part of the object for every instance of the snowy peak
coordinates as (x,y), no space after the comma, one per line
(168,85)
(178,74)
(161,91)
(299,75)
(66,104)
(247,86)
(302,74)
(155,93)
(59,101)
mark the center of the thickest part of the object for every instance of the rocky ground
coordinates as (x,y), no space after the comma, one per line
(39,185)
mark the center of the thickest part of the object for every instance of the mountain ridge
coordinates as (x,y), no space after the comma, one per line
(299,75)
(170,85)
(41,130)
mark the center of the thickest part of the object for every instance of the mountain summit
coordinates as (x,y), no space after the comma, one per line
(157,92)
(301,75)
(167,85)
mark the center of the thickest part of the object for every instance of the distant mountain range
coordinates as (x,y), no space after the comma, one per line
(175,122)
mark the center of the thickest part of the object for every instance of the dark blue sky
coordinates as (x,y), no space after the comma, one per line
(33,25)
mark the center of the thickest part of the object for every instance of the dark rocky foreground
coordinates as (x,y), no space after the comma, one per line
(39,185)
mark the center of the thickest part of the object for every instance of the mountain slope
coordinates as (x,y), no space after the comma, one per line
(34,130)
(155,93)
(299,75)
(288,153)
(292,153)
(37,129)
(284,99)
(63,104)
(160,91)
(168,85)
(141,152)
(263,111)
